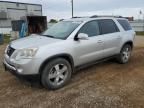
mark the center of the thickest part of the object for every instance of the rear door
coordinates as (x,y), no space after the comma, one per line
(111,37)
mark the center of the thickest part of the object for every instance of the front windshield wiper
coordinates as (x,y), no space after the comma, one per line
(48,36)
(51,36)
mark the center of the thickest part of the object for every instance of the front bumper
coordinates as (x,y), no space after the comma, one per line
(8,66)
(23,67)
(14,71)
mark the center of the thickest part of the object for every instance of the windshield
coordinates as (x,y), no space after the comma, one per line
(62,29)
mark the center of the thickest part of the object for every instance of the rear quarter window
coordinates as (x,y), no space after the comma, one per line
(125,24)
(108,26)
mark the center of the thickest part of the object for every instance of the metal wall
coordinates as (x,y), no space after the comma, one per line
(137,25)
(5,23)
(14,11)
(5,30)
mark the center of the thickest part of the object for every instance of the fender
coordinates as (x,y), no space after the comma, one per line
(68,57)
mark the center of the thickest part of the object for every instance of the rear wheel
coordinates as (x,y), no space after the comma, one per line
(125,54)
(56,74)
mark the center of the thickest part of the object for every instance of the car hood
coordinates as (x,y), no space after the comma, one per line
(33,41)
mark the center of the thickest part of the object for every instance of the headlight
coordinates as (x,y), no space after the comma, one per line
(25,53)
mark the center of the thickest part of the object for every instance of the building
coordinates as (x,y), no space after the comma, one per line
(15,11)
(130,18)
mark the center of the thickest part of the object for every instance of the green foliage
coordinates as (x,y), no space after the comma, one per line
(140,33)
(6,38)
(53,21)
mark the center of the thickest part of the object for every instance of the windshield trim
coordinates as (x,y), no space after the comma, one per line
(50,36)
(71,32)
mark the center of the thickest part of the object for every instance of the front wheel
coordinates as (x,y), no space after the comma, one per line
(125,54)
(56,74)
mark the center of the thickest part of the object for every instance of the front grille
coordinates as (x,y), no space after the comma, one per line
(10,51)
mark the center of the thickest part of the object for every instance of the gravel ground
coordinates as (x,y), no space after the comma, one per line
(105,85)
(139,41)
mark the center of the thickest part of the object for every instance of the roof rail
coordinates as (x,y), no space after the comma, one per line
(95,16)
(76,17)
(81,17)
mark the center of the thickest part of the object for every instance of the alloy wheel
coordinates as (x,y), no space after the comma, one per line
(126,54)
(58,74)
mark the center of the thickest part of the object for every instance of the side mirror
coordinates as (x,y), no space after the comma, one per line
(82,36)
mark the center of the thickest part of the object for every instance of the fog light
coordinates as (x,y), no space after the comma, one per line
(20,70)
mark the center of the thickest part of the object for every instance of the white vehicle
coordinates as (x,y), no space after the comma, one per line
(54,55)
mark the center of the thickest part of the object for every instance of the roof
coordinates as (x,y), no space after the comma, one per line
(21,3)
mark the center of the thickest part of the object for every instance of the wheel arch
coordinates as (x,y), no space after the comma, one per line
(128,42)
(68,57)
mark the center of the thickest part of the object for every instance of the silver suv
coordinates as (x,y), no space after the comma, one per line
(55,54)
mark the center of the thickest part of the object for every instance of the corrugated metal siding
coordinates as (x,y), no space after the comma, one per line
(3,15)
(5,30)
(14,11)
(137,25)
(16,14)
(5,23)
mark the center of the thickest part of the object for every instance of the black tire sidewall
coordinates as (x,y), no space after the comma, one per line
(44,77)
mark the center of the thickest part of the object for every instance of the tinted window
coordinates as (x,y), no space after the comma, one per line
(62,29)
(90,28)
(108,26)
(125,24)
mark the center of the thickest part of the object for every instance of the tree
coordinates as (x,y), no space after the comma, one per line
(53,21)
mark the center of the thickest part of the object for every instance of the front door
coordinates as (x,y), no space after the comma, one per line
(91,49)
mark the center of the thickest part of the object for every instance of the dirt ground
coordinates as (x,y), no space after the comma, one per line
(105,85)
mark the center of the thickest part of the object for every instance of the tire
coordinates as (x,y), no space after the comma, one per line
(56,74)
(125,54)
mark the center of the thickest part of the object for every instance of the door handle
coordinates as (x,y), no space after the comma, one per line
(100,41)
(119,37)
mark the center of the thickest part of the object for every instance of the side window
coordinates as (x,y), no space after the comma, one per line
(108,26)
(125,24)
(90,28)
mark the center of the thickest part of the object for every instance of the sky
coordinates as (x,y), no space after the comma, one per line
(61,9)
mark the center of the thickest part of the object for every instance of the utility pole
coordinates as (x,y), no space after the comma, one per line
(141,13)
(143,22)
(72,7)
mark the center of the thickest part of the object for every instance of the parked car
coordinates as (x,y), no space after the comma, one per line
(56,53)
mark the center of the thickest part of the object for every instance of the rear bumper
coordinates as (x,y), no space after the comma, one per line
(13,70)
